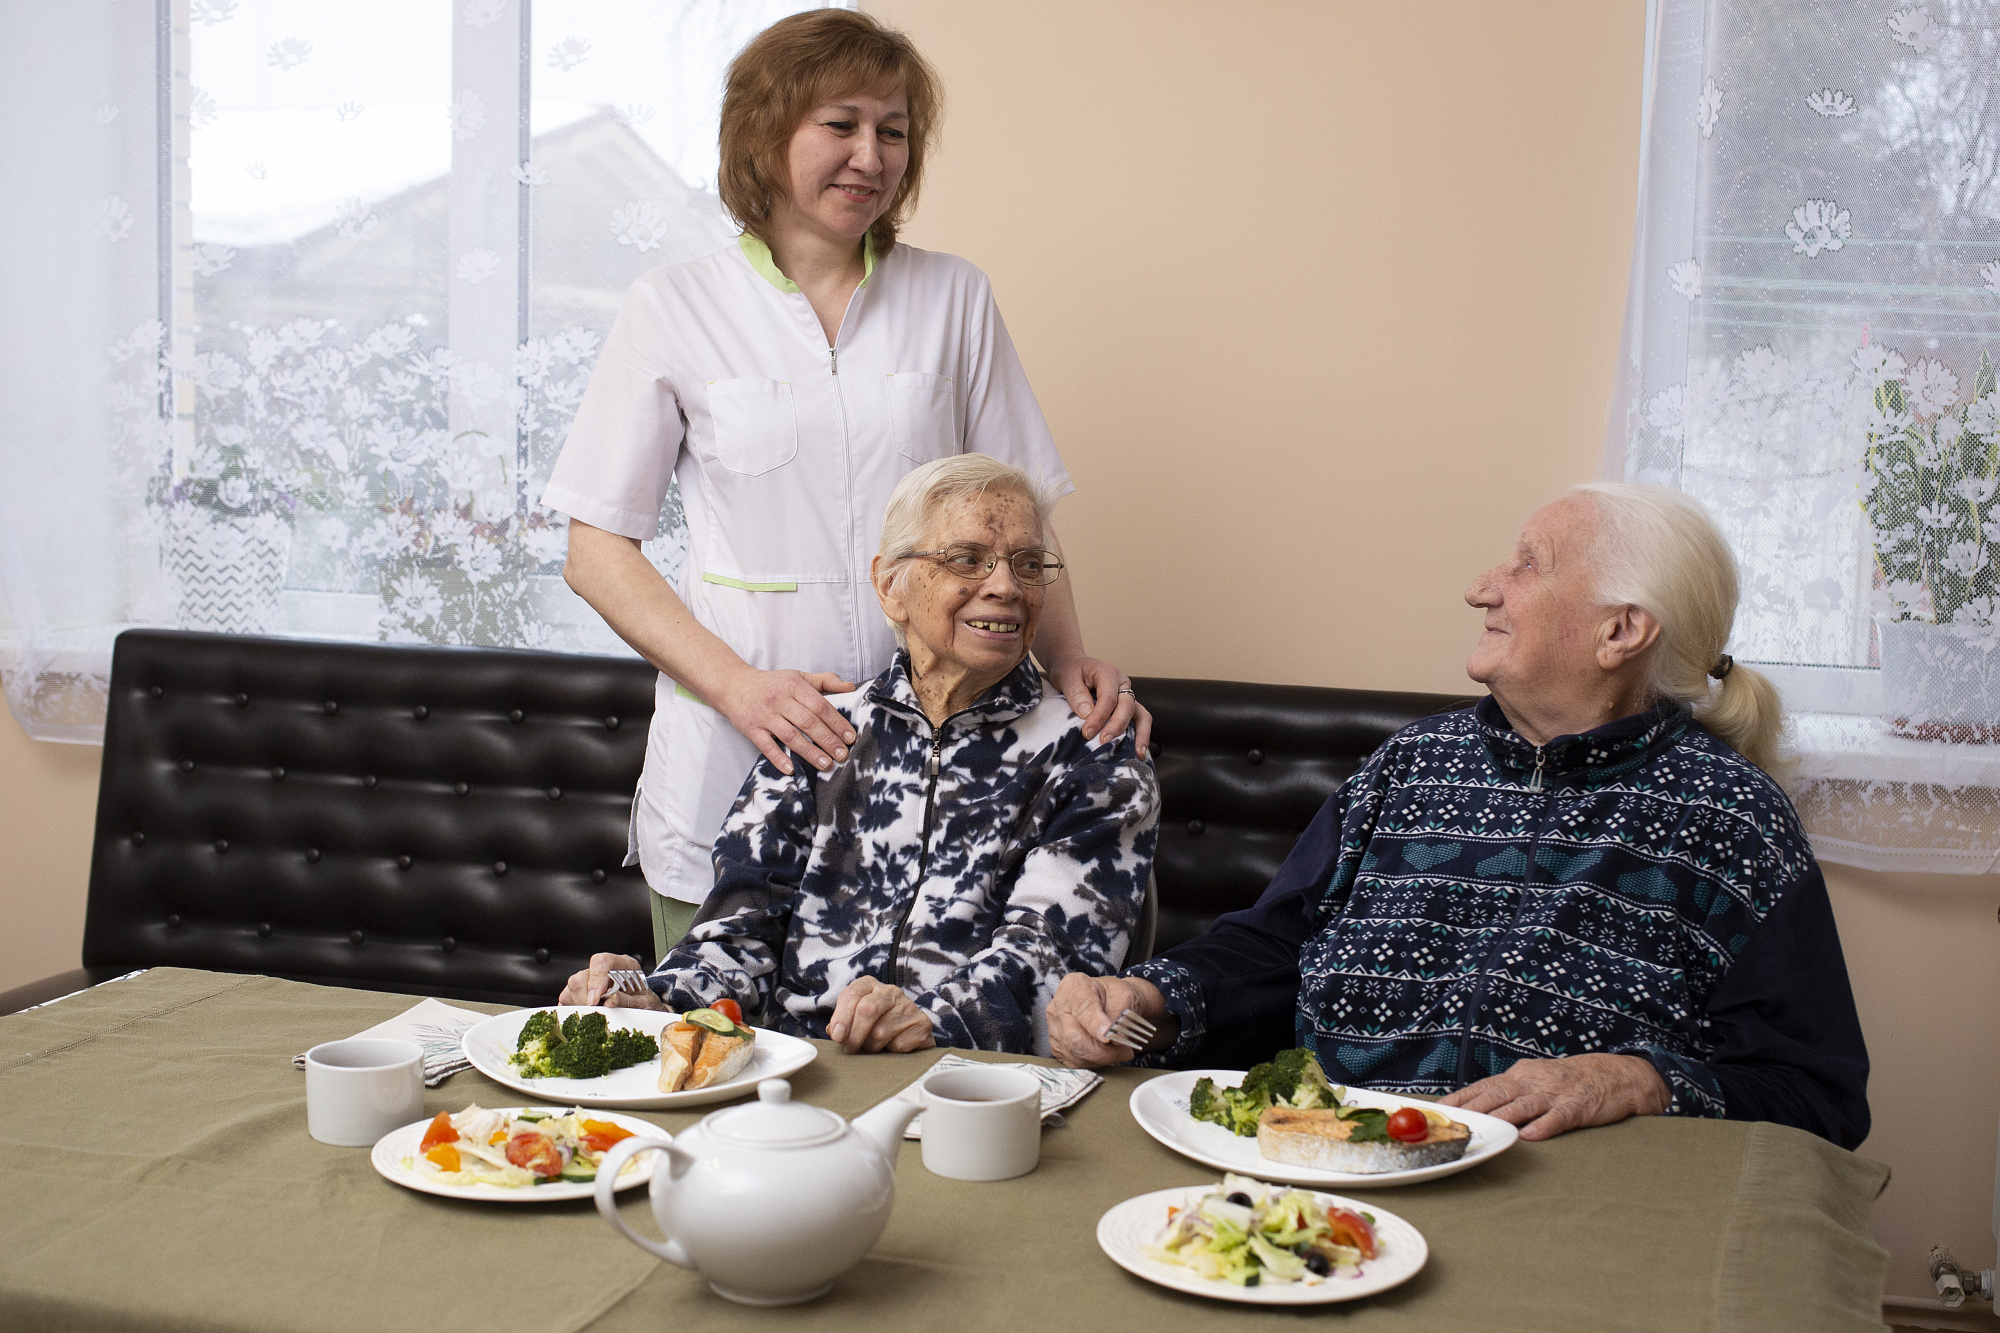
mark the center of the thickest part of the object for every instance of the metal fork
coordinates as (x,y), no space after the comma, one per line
(627,982)
(1129,1029)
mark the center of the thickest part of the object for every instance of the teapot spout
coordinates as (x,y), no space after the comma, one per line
(883,1126)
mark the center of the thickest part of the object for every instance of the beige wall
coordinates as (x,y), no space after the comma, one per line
(1320,299)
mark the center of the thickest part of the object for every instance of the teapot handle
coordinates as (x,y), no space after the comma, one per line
(679,1161)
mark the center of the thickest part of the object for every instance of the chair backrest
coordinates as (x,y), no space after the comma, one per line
(1243,769)
(436,820)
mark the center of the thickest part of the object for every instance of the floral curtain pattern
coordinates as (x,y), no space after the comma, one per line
(1814,311)
(345,269)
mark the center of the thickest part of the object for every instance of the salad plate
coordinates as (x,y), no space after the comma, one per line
(1127,1229)
(390,1150)
(1161,1107)
(636,1087)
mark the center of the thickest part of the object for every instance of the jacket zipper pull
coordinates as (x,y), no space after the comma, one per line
(937,744)
(1535,782)
(834,354)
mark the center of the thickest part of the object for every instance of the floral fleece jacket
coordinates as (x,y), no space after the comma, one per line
(972,864)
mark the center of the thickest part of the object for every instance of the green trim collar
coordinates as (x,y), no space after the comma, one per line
(759,255)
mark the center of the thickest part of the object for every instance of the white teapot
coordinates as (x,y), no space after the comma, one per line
(771,1200)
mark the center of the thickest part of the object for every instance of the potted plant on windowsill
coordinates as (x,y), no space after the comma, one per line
(228,535)
(1929,488)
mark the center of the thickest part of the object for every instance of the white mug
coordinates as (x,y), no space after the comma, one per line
(982,1124)
(359,1089)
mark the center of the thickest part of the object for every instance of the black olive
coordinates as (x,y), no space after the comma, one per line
(1240,1197)
(1319,1263)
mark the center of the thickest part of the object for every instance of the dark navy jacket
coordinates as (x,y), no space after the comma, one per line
(1468,899)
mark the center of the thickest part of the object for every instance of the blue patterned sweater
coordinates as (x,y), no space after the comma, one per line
(1468,899)
(972,864)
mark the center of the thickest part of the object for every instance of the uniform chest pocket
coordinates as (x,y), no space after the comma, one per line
(924,411)
(756,427)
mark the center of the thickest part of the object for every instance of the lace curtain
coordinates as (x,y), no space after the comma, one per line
(1809,349)
(303,294)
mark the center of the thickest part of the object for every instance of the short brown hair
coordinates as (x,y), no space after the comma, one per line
(793,66)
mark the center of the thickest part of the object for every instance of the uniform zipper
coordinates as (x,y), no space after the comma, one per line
(931,767)
(834,354)
(1479,990)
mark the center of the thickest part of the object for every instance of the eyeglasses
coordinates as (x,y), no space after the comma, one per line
(969,560)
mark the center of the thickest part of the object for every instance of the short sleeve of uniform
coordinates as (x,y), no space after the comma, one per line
(1002,418)
(619,458)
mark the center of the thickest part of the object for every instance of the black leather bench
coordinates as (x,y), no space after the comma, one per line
(451,821)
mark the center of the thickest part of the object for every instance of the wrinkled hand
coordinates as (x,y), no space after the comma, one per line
(593,985)
(1092,686)
(872,1015)
(780,709)
(1551,1097)
(1084,1006)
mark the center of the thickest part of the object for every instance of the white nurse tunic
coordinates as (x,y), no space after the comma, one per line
(717,373)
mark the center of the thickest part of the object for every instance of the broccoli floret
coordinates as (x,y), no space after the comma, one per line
(631,1048)
(1235,1109)
(1203,1104)
(534,1050)
(541,1024)
(1292,1078)
(582,1053)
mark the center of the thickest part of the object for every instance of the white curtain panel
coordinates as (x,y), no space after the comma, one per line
(1813,321)
(301,297)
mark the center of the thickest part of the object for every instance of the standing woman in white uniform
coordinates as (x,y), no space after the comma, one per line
(788,381)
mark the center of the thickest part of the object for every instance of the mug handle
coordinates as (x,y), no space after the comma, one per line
(679,1163)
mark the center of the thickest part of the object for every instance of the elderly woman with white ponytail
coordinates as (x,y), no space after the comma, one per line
(1586,898)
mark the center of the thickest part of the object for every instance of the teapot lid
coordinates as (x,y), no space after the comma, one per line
(774,1120)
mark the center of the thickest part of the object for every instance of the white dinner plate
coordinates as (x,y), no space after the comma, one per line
(636,1087)
(390,1150)
(1161,1107)
(1126,1231)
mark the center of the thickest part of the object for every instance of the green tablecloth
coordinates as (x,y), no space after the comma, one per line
(155,1172)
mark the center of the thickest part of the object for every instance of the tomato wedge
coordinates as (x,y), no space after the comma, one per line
(440,1131)
(1351,1229)
(445,1156)
(535,1152)
(599,1135)
(729,1009)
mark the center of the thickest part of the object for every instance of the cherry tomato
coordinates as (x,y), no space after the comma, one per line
(729,1009)
(440,1131)
(445,1156)
(599,1135)
(1352,1229)
(535,1152)
(1408,1125)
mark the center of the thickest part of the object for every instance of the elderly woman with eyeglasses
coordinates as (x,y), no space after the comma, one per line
(975,844)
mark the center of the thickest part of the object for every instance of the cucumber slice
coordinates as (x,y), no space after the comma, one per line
(579,1172)
(714,1021)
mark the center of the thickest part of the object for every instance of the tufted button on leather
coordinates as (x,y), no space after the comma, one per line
(173,921)
(450,944)
(263,930)
(242,699)
(355,937)
(330,708)
(404,862)
(368,780)
(596,876)
(462,788)
(156,691)
(1255,757)
(221,846)
(278,774)
(516,715)
(555,793)
(611,724)
(312,856)
(138,838)
(1195,828)
(187,765)
(421,712)
(541,955)
(499,867)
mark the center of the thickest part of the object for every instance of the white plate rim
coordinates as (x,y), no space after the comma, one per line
(1491,1136)
(386,1158)
(787,1055)
(1409,1249)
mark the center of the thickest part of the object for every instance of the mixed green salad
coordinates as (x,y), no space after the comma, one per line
(1249,1233)
(582,1046)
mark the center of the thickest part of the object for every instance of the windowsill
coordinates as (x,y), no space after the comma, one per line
(1861,748)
